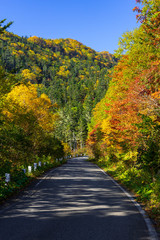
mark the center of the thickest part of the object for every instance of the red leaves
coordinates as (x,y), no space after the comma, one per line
(134,91)
(107,104)
(138,16)
(145,92)
(135,9)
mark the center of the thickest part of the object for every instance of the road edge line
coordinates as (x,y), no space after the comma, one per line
(152,232)
(30,193)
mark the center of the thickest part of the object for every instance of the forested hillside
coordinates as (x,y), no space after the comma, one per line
(72,75)
(48,89)
(124,132)
(56,94)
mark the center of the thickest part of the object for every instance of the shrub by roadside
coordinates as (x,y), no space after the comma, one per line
(19,179)
(145,187)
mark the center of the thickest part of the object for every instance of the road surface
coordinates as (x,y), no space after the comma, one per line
(73,202)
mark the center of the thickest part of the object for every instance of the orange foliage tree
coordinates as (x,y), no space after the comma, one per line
(129,115)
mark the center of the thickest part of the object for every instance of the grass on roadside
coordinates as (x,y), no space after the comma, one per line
(19,179)
(145,187)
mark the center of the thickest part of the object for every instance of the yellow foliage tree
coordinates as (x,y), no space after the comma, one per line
(28,75)
(26,100)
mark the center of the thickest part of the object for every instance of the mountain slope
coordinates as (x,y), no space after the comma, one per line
(73,75)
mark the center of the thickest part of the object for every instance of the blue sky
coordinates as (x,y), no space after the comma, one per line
(95,23)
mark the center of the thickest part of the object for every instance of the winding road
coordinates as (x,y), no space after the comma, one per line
(76,201)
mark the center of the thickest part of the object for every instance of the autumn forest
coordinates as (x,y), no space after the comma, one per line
(60,98)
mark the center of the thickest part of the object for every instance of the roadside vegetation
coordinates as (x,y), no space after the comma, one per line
(53,93)
(124,133)
(21,178)
(47,91)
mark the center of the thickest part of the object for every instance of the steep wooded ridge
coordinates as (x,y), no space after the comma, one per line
(124,132)
(73,76)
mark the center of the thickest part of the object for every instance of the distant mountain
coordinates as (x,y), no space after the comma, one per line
(73,75)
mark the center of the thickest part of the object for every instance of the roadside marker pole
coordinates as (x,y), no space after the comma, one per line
(7,177)
(29,169)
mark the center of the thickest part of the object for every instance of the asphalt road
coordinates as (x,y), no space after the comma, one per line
(73,202)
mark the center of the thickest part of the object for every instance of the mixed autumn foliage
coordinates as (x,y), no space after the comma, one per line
(55,92)
(27,125)
(69,73)
(47,91)
(125,126)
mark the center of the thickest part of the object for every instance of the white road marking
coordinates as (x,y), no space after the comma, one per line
(151,229)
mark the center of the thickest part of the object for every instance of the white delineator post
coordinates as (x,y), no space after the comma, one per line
(7,177)
(35,166)
(39,164)
(29,169)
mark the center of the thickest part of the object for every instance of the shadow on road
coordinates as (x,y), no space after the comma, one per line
(74,202)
